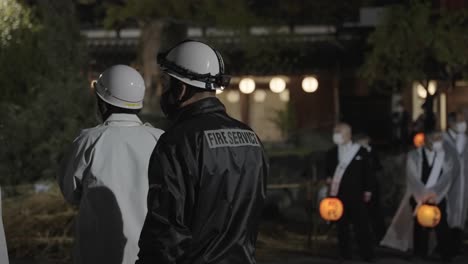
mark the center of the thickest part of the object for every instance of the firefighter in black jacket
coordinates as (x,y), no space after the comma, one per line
(208,172)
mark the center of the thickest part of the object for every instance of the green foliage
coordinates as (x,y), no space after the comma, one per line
(44,98)
(415,43)
(285,121)
(400,46)
(450,49)
(15,19)
(324,12)
(15,30)
(258,54)
(200,12)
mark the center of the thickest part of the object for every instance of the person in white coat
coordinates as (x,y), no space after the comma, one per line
(3,244)
(106,172)
(429,173)
(456,142)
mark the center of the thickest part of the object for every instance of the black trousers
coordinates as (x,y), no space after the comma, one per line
(443,234)
(457,241)
(376,216)
(355,214)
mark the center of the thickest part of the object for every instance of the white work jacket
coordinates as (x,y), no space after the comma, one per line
(105,174)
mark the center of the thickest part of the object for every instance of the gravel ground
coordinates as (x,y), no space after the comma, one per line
(385,256)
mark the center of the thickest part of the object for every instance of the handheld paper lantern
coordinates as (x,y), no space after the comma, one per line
(428,215)
(331,209)
(418,140)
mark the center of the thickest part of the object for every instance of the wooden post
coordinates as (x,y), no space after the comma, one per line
(245,108)
(336,92)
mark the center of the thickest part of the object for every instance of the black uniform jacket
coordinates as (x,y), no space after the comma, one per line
(207,179)
(357,178)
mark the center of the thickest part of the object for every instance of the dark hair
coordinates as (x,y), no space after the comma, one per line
(118,110)
(452,117)
(112,109)
(433,131)
(360,136)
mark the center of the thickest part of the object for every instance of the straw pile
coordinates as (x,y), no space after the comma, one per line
(39,226)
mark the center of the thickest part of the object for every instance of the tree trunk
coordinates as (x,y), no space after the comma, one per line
(150,45)
(157,35)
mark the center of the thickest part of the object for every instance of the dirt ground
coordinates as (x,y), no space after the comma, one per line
(39,230)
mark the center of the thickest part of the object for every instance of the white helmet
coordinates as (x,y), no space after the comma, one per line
(195,63)
(121,86)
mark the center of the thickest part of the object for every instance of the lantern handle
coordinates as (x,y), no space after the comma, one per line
(416,208)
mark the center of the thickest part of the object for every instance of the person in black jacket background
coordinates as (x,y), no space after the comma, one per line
(208,172)
(348,171)
(375,207)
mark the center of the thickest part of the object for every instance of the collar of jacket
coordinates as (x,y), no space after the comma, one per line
(452,134)
(123,120)
(203,106)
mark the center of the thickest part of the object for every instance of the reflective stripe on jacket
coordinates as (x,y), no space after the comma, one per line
(207,180)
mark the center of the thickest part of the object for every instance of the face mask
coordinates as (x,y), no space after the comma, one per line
(169,102)
(437,146)
(461,127)
(338,138)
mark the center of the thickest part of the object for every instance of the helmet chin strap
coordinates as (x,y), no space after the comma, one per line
(189,93)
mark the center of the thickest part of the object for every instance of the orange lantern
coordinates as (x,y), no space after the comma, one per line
(428,215)
(418,140)
(331,209)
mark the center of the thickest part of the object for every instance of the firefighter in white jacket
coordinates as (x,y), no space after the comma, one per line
(105,172)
